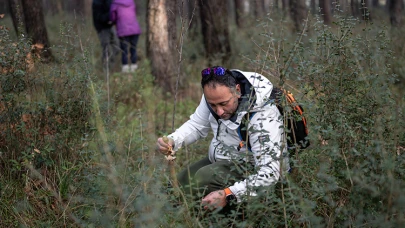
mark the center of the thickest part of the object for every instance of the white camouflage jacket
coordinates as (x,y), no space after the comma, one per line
(265,140)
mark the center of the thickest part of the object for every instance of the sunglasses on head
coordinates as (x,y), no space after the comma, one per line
(217,71)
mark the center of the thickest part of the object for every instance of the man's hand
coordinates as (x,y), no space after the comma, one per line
(214,200)
(163,147)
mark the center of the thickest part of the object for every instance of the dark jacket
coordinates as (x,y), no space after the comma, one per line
(101,14)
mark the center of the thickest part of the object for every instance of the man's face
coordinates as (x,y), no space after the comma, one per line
(222,100)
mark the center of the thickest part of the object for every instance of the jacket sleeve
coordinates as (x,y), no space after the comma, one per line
(113,13)
(101,11)
(266,137)
(195,128)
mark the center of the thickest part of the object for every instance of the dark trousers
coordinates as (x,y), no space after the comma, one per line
(128,46)
(109,44)
(203,177)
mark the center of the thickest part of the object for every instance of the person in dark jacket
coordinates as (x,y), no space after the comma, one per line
(123,15)
(107,35)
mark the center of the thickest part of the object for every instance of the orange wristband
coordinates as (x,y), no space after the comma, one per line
(228,192)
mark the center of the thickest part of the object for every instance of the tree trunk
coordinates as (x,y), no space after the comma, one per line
(344,6)
(355,6)
(87,8)
(313,7)
(325,11)
(214,25)
(365,10)
(59,6)
(73,7)
(267,5)
(395,9)
(241,12)
(47,7)
(4,7)
(35,26)
(284,6)
(78,7)
(259,8)
(161,26)
(52,6)
(16,15)
(299,12)
(190,15)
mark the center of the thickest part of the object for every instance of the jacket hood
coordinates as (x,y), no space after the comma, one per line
(124,2)
(256,91)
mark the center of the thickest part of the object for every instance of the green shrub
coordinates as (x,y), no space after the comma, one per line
(355,120)
(44,126)
(46,108)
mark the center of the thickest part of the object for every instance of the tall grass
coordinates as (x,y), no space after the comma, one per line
(74,155)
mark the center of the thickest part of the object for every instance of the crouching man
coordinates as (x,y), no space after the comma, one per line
(233,103)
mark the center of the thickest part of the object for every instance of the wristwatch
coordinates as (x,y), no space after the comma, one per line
(230,197)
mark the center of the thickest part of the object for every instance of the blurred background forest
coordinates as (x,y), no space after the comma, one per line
(77,142)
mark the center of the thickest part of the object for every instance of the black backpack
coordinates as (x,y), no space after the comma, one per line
(297,129)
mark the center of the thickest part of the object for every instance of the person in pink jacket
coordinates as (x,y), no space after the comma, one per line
(123,14)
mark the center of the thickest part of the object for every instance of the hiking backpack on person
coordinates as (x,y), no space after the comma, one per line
(293,114)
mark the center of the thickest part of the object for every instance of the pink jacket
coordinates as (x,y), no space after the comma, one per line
(123,14)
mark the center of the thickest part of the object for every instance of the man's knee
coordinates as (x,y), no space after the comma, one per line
(183,178)
(210,175)
(203,176)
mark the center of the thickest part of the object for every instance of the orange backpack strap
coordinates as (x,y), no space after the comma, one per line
(296,107)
